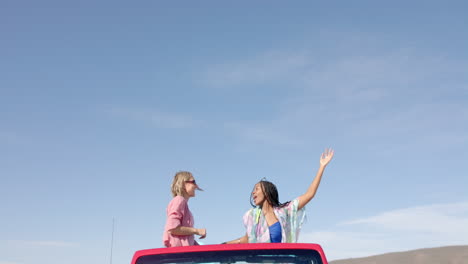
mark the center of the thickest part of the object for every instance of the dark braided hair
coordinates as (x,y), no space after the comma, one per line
(271,194)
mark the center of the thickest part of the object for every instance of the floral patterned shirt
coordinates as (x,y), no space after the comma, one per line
(290,218)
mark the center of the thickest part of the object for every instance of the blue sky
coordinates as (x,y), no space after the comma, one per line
(101,102)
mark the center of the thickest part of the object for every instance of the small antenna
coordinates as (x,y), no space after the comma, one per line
(112,240)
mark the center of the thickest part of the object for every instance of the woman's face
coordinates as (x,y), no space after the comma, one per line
(190,187)
(258,195)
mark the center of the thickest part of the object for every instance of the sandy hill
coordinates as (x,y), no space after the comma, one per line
(440,255)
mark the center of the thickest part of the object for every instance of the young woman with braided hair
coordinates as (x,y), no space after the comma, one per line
(272,221)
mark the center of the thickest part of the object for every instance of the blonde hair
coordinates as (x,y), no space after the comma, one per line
(178,184)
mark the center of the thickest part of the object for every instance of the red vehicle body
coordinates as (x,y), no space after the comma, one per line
(285,253)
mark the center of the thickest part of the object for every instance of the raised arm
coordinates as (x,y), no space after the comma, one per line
(326,157)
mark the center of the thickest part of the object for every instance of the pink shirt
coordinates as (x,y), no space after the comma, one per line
(178,214)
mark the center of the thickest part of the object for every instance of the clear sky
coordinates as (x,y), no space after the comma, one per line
(101,102)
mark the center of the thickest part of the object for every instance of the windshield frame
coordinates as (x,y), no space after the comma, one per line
(234,254)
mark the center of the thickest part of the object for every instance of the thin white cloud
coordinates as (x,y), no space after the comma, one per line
(446,219)
(264,68)
(9,262)
(434,124)
(261,134)
(392,95)
(160,119)
(361,86)
(402,229)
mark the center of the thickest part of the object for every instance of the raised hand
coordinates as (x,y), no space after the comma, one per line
(326,157)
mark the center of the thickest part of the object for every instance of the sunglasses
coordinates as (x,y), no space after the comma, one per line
(192,182)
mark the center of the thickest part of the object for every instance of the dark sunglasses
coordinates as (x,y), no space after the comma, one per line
(192,181)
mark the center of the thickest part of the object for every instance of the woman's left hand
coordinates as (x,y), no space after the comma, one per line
(201,232)
(326,157)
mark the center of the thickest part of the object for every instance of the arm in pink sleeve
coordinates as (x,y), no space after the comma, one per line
(175,212)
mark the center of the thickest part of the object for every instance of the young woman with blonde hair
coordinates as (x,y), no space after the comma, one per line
(179,229)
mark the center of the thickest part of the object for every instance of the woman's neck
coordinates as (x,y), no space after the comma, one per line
(267,208)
